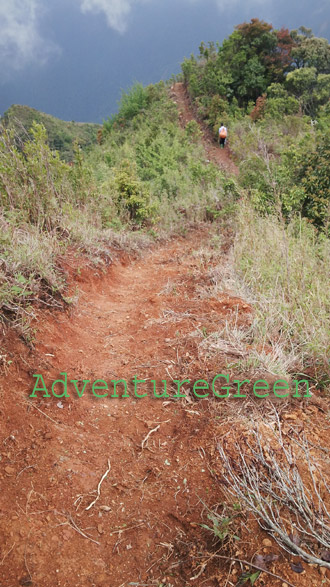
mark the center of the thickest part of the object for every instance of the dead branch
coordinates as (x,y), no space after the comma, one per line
(267,480)
(145,440)
(99,486)
(73,525)
(243,562)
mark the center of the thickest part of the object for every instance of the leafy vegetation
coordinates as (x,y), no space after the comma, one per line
(256,60)
(155,170)
(272,89)
(61,135)
(145,174)
(146,177)
(266,84)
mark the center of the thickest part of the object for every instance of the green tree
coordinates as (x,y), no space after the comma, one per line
(312,52)
(254,58)
(302,83)
(309,88)
(314,178)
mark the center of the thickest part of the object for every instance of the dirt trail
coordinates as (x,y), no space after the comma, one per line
(137,320)
(151,463)
(220,157)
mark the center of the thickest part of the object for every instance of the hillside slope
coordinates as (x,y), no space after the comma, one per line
(164,342)
(113,491)
(221,157)
(61,134)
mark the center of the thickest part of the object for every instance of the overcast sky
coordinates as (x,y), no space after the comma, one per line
(71,58)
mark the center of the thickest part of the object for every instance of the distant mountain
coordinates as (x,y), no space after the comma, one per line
(61,134)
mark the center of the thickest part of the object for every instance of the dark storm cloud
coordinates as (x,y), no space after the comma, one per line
(21,40)
(71,57)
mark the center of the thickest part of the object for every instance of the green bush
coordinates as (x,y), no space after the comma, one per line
(133,195)
(314,177)
(133,102)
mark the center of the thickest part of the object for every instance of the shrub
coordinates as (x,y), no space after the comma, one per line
(133,102)
(314,175)
(133,195)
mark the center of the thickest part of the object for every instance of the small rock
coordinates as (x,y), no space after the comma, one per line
(67,534)
(25,581)
(10,470)
(297,567)
(267,542)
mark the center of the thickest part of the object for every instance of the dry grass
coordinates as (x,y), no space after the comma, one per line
(283,485)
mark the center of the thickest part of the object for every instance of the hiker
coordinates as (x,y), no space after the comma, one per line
(222,136)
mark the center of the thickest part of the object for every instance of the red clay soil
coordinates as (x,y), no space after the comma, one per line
(112,491)
(55,451)
(144,527)
(221,157)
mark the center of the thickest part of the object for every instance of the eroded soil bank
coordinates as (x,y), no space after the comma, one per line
(157,458)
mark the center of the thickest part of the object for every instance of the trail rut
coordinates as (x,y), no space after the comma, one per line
(139,320)
(221,157)
(112,491)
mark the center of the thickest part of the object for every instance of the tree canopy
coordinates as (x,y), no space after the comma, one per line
(256,56)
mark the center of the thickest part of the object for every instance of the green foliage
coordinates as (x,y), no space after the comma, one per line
(221,526)
(313,175)
(285,165)
(44,205)
(303,84)
(291,68)
(81,177)
(193,131)
(239,71)
(310,51)
(133,102)
(167,161)
(61,135)
(279,102)
(33,180)
(249,576)
(271,154)
(133,195)
(145,173)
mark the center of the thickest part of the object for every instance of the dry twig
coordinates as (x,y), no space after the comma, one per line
(145,440)
(99,486)
(243,562)
(268,481)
